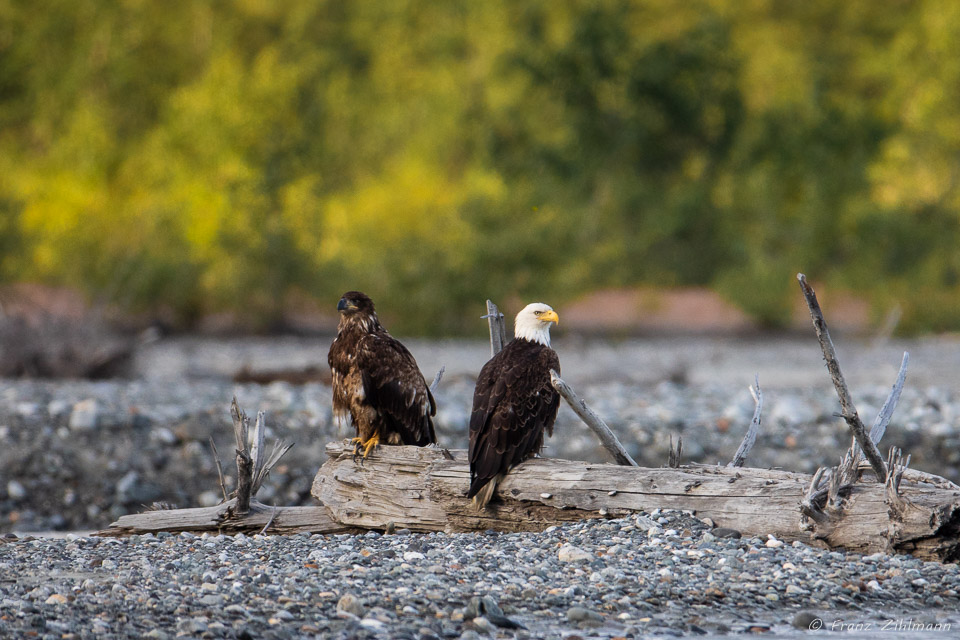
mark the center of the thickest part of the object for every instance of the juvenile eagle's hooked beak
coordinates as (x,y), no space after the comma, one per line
(343,305)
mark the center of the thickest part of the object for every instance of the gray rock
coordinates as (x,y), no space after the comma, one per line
(582,614)
(16,491)
(570,553)
(351,605)
(807,621)
(85,415)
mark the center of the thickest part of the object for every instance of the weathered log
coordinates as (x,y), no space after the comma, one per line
(424,489)
(224,519)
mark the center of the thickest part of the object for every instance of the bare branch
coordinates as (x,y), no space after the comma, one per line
(833,365)
(244,482)
(843,476)
(810,506)
(256,449)
(886,412)
(216,459)
(436,379)
(592,420)
(241,427)
(240,424)
(279,449)
(498,331)
(270,521)
(898,466)
(674,460)
(751,436)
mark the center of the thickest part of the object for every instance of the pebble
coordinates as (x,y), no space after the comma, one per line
(580,614)
(773,543)
(350,604)
(85,415)
(16,491)
(570,553)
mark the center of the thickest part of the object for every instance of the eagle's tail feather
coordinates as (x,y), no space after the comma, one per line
(485,492)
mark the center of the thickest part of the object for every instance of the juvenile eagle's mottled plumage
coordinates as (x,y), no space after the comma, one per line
(513,403)
(376,381)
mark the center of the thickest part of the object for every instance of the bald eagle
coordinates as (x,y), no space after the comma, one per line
(513,402)
(376,381)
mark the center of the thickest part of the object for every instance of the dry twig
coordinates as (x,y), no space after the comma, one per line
(897,466)
(436,379)
(674,460)
(216,459)
(273,515)
(751,436)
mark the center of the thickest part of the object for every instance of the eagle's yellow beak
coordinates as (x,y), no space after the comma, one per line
(550,316)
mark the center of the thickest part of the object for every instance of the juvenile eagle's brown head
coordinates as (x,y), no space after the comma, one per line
(355,302)
(357,307)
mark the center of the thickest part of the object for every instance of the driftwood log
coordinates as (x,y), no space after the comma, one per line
(223,518)
(423,489)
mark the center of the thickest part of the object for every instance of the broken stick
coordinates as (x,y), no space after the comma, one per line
(498,330)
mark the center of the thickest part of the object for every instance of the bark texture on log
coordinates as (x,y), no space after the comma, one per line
(224,518)
(424,489)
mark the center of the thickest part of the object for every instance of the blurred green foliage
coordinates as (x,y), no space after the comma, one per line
(194,157)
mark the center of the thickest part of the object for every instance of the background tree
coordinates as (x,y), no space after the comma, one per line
(238,155)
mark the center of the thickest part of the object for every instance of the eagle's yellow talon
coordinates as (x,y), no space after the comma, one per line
(357,445)
(370,444)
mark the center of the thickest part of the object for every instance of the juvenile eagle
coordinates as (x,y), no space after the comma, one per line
(513,402)
(376,381)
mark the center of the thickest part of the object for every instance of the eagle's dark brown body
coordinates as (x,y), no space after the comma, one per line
(376,381)
(513,404)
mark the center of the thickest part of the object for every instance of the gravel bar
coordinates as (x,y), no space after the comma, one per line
(662,574)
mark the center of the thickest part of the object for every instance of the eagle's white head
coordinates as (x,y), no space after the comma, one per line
(533,323)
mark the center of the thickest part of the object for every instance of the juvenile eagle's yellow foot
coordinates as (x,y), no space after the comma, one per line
(359,445)
(370,444)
